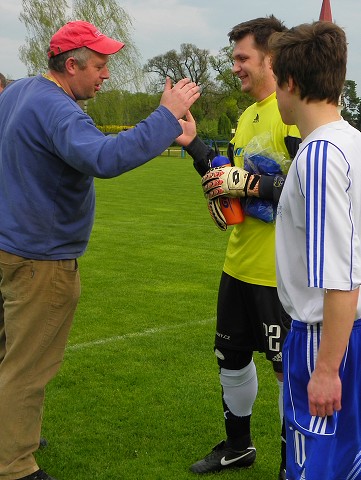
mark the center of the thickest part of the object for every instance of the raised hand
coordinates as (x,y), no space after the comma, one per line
(180,98)
(189,130)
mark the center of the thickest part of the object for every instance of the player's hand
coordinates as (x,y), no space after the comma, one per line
(189,130)
(180,98)
(231,181)
(214,208)
(324,393)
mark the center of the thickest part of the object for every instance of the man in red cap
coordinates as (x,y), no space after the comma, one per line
(50,152)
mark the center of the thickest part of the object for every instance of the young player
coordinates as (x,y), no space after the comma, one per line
(318,232)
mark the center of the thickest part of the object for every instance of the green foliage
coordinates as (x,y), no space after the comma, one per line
(137,106)
(114,128)
(41,19)
(113,20)
(106,108)
(138,395)
(358,118)
(224,126)
(231,110)
(208,128)
(351,104)
(121,107)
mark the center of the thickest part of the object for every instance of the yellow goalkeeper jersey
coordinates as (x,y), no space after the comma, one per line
(250,255)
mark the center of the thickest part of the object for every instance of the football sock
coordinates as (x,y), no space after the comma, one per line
(238,430)
(240,389)
(239,393)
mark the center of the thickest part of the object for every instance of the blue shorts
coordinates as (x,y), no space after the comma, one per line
(321,448)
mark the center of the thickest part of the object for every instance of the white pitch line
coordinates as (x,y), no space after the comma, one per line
(144,333)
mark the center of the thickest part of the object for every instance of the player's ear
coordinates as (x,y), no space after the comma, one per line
(291,86)
(268,61)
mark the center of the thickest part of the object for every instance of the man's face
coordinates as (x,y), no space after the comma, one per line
(252,67)
(87,82)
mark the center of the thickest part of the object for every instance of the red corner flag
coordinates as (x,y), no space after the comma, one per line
(326,13)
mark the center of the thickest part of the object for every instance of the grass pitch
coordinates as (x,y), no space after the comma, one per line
(138,395)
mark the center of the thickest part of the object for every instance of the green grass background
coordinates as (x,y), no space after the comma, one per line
(138,395)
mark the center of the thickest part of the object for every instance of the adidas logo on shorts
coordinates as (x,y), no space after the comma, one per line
(277,358)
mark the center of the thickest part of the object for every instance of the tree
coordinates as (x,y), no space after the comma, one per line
(191,62)
(114,21)
(41,20)
(224,126)
(351,103)
(358,119)
(43,17)
(121,108)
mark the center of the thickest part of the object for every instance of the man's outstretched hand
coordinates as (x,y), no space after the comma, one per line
(180,98)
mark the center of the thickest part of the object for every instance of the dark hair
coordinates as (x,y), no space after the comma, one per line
(81,55)
(261,29)
(314,56)
(3,81)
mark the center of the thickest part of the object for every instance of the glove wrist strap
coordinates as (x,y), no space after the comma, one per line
(252,184)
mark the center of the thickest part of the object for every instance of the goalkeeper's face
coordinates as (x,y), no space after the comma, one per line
(252,67)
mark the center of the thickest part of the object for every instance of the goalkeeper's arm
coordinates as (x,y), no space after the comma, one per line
(270,187)
(237,182)
(267,187)
(202,155)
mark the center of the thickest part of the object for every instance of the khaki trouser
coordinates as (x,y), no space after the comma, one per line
(37,304)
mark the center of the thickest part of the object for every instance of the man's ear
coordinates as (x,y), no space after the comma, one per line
(268,60)
(70,65)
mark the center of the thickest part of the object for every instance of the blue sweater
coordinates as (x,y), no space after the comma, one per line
(50,152)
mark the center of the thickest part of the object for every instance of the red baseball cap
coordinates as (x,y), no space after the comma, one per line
(82,34)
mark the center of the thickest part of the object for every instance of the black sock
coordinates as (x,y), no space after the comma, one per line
(238,430)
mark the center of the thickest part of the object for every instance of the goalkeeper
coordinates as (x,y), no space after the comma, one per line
(249,315)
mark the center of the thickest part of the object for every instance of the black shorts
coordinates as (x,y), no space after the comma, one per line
(250,318)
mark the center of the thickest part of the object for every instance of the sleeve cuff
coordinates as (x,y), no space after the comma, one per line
(197,148)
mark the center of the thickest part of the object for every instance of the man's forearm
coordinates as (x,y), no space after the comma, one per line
(324,388)
(338,318)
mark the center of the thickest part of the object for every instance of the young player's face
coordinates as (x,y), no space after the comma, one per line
(252,67)
(87,82)
(284,104)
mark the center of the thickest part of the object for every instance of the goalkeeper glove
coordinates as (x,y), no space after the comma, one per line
(231,181)
(215,210)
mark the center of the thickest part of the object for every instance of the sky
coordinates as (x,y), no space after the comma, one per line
(161,25)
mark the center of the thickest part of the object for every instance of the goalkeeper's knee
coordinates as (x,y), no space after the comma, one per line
(240,389)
